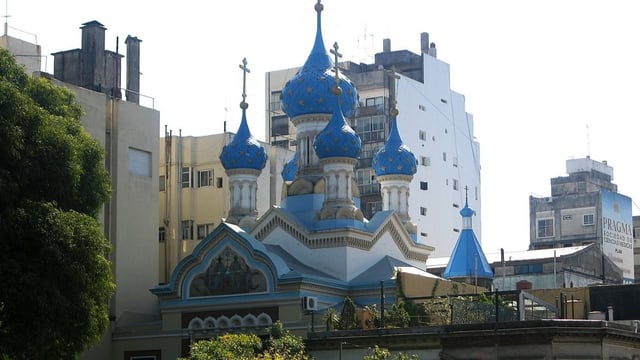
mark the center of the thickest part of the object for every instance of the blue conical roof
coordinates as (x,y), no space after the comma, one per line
(468,259)
(337,139)
(394,158)
(244,151)
(308,92)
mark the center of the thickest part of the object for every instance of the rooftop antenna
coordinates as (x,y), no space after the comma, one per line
(6,17)
(224,125)
(588,143)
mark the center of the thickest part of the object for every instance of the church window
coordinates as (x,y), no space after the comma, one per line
(218,182)
(162,234)
(422,135)
(424,185)
(423,211)
(455,184)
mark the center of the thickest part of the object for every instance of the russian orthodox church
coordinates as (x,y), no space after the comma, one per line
(316,248)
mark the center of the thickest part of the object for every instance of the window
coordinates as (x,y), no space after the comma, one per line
(425,161)
(423,211)
(374,101)
(455,161)
(456,230)
(582,187)
(187,229)
(139,162)
(422,107)
(162,234)
(205,178)
(545,228)
(143,355)
(422,135)
(204,230)
(218,182)
(443,101)
(370,128)
(373,207)
(162,183)
(457,206)
(367,182)
(444,156)
(423,234)
(281,143)
(587,219)
(280,125)
(276,97)
(186,177)
(528,269)
(424,185)
(455,184)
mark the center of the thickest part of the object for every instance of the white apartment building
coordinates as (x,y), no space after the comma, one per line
(433,123)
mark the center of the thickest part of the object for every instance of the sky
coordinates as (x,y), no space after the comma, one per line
(545,80)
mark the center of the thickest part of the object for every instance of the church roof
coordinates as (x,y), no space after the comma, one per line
(290,169)
(468,259)
(337,139)
(244,151)
(309,91)
(394,158)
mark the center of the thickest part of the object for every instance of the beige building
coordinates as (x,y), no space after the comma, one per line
(194,192)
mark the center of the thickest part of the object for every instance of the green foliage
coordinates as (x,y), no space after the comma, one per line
(55,279)
(378,353)
(397,316)
(348,319)
(331,319)
(282,345)
(227,347)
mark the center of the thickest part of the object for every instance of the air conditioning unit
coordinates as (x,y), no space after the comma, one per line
(310,303)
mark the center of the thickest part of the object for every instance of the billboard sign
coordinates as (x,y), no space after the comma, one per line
(617,232)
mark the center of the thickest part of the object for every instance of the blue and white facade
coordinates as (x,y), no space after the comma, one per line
(314,250)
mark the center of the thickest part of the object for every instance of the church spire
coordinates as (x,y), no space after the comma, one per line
(243,160)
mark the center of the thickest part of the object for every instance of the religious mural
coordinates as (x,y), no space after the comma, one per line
(228,274)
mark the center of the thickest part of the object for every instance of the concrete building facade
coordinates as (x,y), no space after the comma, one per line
(433,123)
(27,53)
(585,207)
(194,192)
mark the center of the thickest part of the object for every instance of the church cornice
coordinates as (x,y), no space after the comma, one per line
(340,237)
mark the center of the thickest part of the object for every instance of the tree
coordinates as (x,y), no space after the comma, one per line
(378,353)
(227,347)
(55,277)
(331,319)
(281,345)
(348,315)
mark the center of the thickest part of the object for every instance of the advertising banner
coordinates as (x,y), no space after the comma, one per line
(617,232)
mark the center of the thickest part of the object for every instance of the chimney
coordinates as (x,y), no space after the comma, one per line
(386,45)
(424,42)
(432,50)
(133,69)
(92,71)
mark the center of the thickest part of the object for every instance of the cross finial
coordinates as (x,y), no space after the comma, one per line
(245,70)
(336,56)
(466,194)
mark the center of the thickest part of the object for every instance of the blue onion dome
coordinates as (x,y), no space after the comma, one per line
(466,211)
(337,139)
(244,151)
(290,169)
(394,158)
(308,91)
